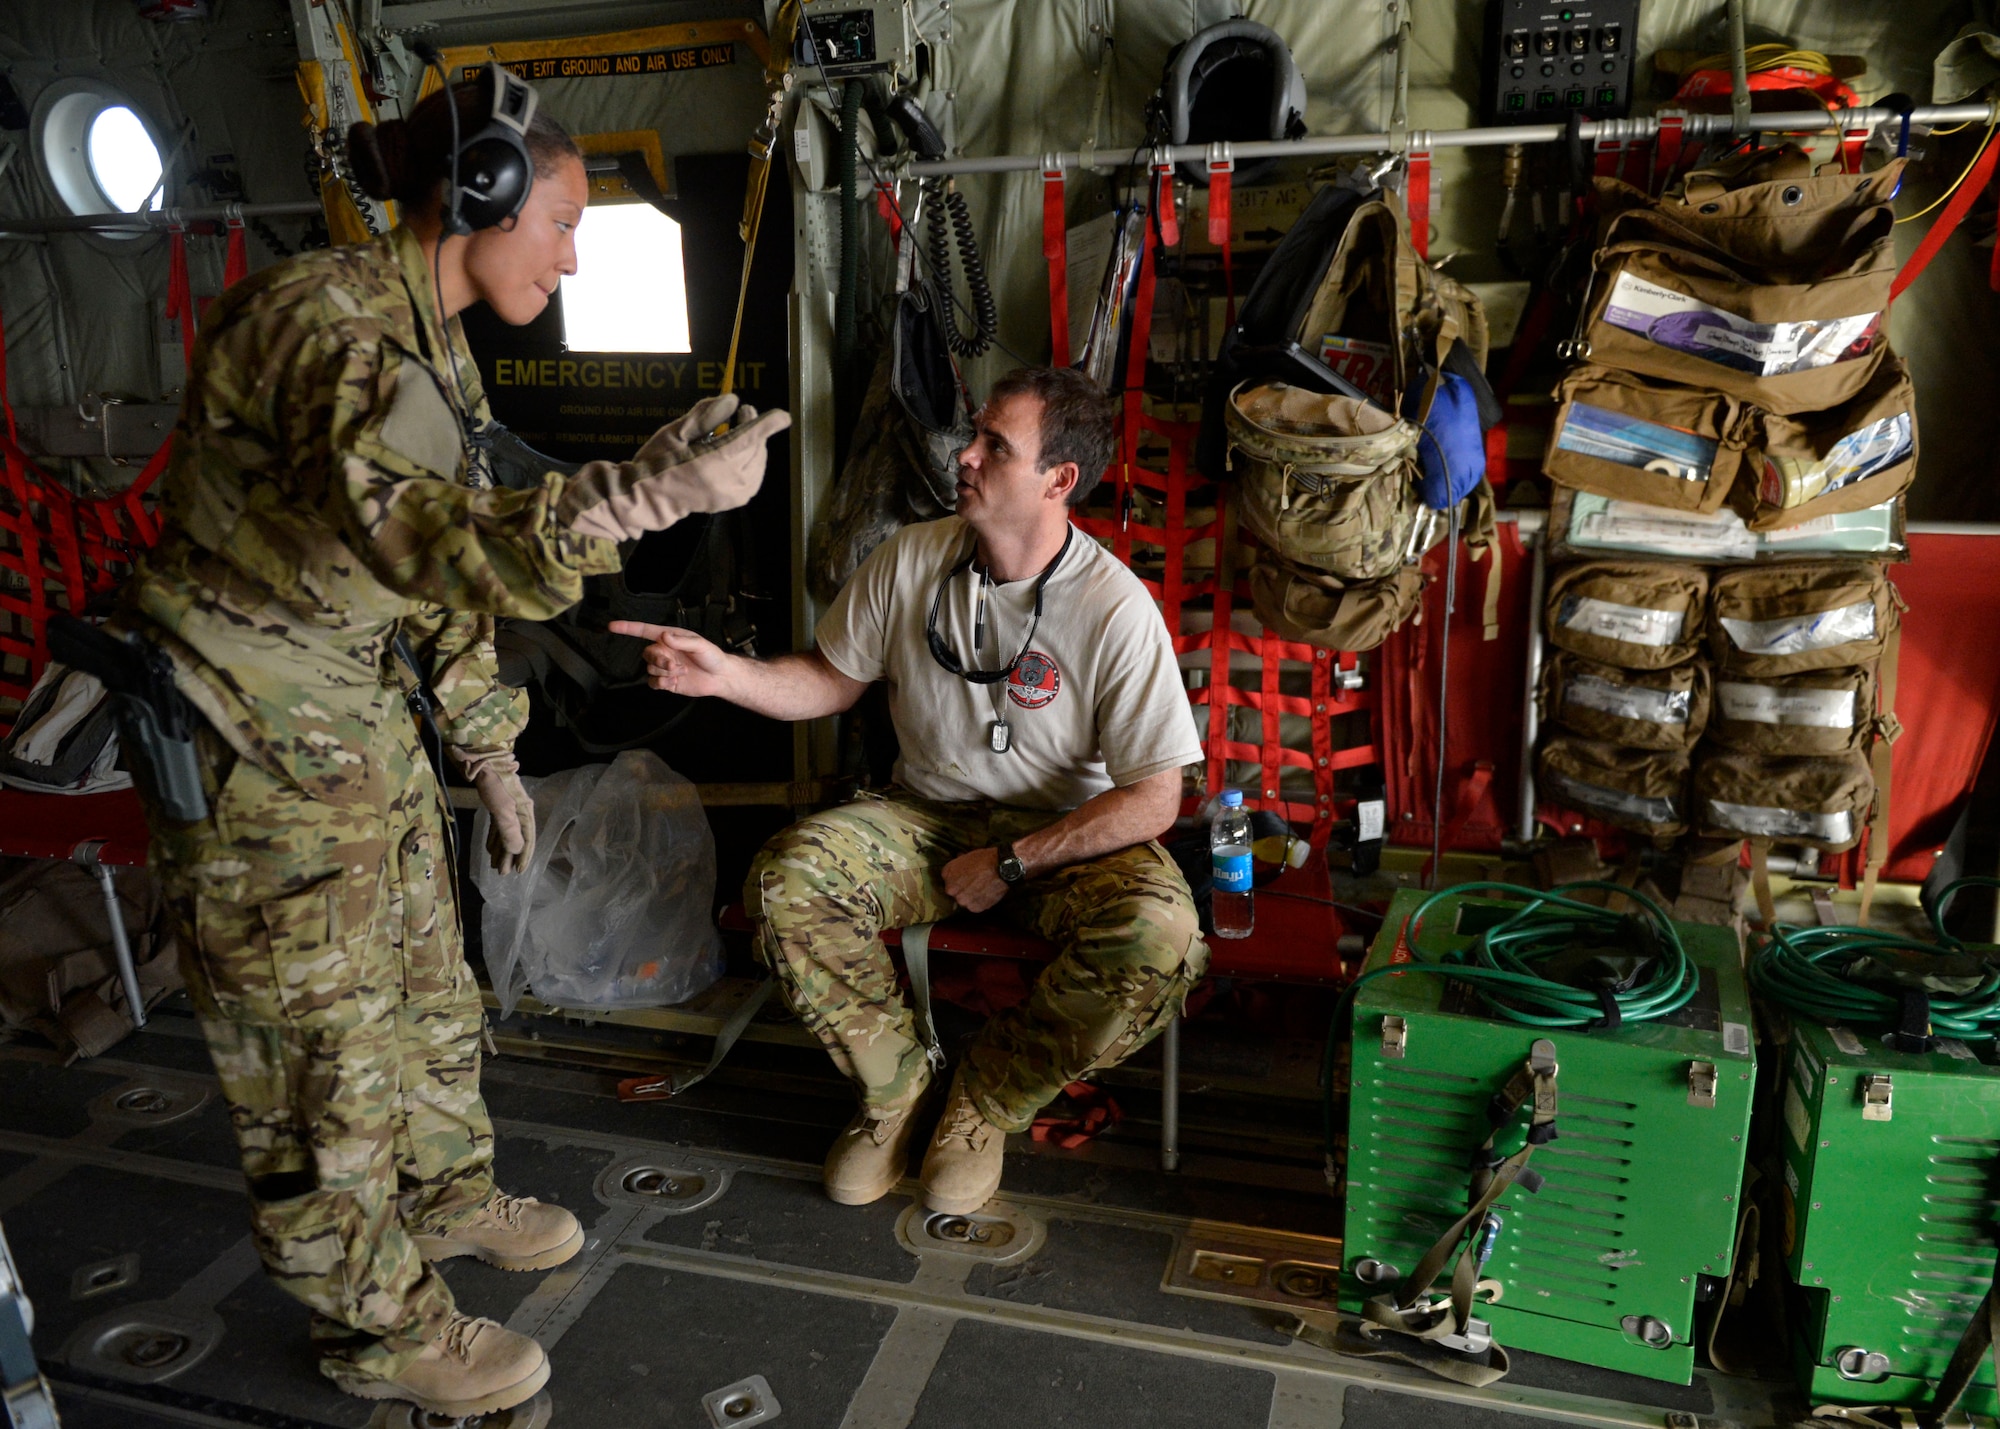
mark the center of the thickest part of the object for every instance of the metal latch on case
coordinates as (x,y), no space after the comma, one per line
(1701,1084)
(1877,1091)
(1395,1036)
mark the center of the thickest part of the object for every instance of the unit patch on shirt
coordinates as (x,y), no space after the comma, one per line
(1035,681)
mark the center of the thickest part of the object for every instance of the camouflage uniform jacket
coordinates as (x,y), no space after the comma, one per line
(319,498)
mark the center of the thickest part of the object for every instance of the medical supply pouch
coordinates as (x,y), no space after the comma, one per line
(1820,802)
(1849,458)
(1646,709)
(1780,620)
(1773,292)
(1819,712)
(1640,789)
(1632,439)
(1323,480)
(1634,614)
(1304,604)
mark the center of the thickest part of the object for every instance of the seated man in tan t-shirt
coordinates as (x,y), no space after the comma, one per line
(1043,728)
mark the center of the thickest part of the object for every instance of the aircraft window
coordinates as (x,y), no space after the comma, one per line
(124,159)
(629,293)
(97,151)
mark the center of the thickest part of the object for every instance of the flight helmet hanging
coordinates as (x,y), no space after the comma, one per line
(1233,82)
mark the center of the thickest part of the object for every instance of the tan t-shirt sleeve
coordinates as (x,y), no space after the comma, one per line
(853,634)
(1145,725)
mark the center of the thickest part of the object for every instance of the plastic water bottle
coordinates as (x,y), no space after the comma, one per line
(1229,867)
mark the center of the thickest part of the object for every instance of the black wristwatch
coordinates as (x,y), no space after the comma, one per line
(1012,870)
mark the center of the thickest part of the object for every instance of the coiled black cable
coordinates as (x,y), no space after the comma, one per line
(985,313)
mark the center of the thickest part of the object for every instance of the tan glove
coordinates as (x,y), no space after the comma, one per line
(496,777)
(682,469)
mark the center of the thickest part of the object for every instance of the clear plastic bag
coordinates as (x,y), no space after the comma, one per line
(616,907)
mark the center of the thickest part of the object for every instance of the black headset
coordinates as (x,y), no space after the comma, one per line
(491,171)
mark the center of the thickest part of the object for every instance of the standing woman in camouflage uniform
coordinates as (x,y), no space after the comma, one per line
(320,505)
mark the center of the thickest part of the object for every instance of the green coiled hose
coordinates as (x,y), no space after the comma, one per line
(1501,964)
(1813,972)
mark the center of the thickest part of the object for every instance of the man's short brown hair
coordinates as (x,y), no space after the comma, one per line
(1079,421)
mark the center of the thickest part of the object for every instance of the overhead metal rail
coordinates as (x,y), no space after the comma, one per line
(1694,126)
(158,220)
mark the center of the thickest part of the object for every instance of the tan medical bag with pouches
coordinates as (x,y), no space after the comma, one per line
(1761,280)
(1634,439)
(1320,609)
(1324,480)
(1640,615)
(1822,802)
(1849,458)
(1789,617)
(1640,789)
(1646,709)
(1819,712)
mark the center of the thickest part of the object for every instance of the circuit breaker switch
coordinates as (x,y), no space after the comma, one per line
(1701,1084)
(1876,1093)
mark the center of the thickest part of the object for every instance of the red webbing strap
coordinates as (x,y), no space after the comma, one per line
(1055,249)
(1163,202)
(1135,392)
(1534,324)
(1947,222)
(885,204)
(18,519)
(236,261)
(1852,143)
(180,296)
(1419,202)
(1221,175)
(1667,150)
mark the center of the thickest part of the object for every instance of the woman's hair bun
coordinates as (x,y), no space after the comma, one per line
(378,157)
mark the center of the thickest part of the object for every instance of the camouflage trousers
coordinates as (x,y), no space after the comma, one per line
(322,952)
(1128,942)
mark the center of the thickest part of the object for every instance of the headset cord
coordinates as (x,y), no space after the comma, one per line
(1500,966)
(985,314)
(1829,975)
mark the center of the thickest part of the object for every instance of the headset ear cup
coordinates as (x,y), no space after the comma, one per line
(495,174)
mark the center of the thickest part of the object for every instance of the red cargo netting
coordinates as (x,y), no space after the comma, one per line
(57,549)
(1276,721)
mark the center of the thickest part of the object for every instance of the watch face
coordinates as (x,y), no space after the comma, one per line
(1011,870)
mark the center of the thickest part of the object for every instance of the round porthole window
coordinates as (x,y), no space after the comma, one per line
(96,150)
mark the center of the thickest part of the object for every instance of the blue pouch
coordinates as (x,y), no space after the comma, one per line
(1454,407)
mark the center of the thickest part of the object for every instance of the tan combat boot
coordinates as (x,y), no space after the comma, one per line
(868,1157)
(512,1232)
(962,1168)
(472,1367)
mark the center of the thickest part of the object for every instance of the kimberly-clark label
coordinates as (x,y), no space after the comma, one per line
(1801,708)
(1675,320)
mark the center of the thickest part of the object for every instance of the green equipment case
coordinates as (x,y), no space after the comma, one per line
(1604,1263)
(1888,1207)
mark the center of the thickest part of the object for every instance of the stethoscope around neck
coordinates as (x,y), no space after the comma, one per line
(947,657)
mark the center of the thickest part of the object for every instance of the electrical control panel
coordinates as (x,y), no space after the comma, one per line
(841,38)
(1544,62)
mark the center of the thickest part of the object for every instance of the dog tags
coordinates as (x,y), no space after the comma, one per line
(999,736)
